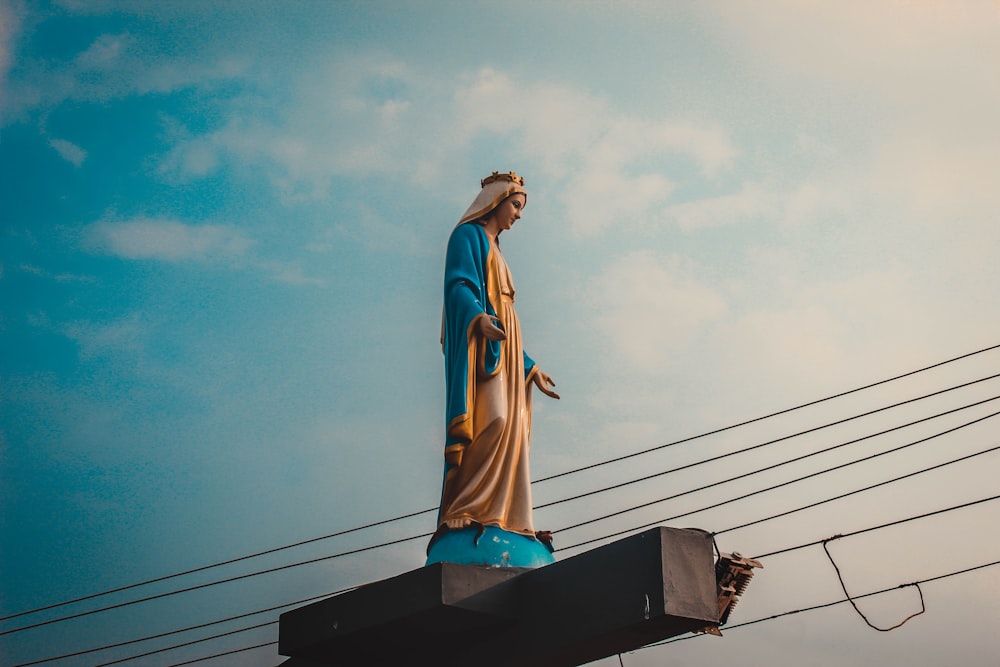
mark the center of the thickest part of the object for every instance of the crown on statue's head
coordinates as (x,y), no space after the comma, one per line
(497,176)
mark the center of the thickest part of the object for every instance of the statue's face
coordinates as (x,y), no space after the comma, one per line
(509,211)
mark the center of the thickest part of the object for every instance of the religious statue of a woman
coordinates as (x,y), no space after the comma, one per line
(485,514)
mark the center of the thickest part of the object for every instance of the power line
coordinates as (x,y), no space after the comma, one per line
(879,527)
(893,523)
(662,643)
(764,444)
(803,457)
(190,643)
(424,535)
(183,630)
(344,590)
(221,655)
(772,553)
(782,514)
(768,416)
(211,583)
(566,548)
(728,627)
(208,567)
(316,597)
(862,490)
(831,604)
(425,511)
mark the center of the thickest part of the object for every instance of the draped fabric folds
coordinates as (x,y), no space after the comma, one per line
(488,393)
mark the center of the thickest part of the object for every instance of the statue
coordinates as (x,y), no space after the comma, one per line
(485,514)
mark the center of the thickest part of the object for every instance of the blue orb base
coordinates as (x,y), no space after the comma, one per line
(494,548)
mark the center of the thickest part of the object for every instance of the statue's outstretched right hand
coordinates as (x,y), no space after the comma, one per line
(544,381)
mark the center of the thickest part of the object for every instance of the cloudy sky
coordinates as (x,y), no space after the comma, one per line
(222,229)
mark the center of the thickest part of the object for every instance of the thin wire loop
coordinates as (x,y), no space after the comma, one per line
(843,587)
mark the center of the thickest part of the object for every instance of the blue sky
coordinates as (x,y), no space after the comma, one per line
(221,246)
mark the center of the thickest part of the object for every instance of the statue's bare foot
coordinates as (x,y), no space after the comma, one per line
(458,524)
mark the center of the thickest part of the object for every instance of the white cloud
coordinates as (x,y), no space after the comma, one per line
(614,164)
(925,134)
(551,122)
(112,66)
(11,14)
(363,116)
(789,204)
(99,339)
(799,341)
(167,240)
(293,275)
(889,47)
(171,241)
(190,159)
(798,333)
(601,195)
(935,177)
(96,339)
(650,309)
(561,125)
(30,268)
(69,151)
(373,231)
(58,277)
(347,117)
(103,54)
(707,145)
(749,203)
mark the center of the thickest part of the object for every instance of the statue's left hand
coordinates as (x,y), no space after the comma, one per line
(543,381)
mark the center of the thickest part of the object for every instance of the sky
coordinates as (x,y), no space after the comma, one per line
(222,232)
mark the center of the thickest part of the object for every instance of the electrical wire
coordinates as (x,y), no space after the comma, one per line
(222,655)
(212,566)
(781,439)
(862,490)
(212,583)
(728,627)
(788,549)
(772,553)
(190,643)
(773,414)
(777,486)
(428,534)
(843,587)
(879,527)
(692,636)
(829,604)
(544,479)
(424,535)
(344,590)
(183,630)
(786,513)
(764,469)
(265,624)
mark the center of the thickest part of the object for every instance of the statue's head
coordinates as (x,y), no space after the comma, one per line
(495,188)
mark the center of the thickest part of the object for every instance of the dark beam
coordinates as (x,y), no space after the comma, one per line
(619,597)
(390,619)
